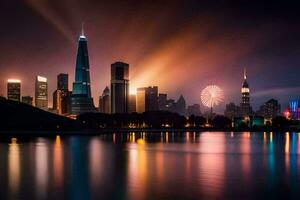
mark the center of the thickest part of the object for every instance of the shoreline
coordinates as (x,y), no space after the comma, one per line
(91,132)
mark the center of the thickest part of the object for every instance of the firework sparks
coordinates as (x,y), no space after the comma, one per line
(212,96)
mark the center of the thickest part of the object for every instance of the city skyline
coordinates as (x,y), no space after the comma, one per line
(156,56)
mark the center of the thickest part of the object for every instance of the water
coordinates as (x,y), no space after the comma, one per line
(138,166)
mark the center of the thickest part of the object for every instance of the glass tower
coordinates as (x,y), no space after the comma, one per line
(81,99)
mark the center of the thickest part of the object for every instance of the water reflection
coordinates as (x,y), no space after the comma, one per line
(162,165)
(14,171)
(58,163)
(41,166)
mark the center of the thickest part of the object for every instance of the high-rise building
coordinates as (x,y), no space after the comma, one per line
(162,101)
(61,96)
(41,93)
(245,107)
(141,100)
(63,82)
(132,103)
(270,109)
(28,100)
(104,101)
(13,89)
(181,105)
(193,110)
(231,110)
(81,98)
(119,87)
(294,109)
(151,98)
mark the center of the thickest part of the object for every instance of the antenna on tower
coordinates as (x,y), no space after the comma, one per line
(245,73)
(82,29)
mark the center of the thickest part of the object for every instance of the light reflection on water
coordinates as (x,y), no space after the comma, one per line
(164,165)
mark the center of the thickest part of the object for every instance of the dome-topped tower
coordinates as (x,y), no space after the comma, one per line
(246,109)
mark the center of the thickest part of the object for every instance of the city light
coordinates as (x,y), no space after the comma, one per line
(14,81)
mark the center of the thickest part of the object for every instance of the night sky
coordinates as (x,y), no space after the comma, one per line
(181,46)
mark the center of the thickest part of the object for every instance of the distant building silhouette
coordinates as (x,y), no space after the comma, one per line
(193,110)
(132,103)
(81,98)
(27,99)
(13,89)
(245,107)
(231,110)
(181,105)
(41,93)
(119,87)
(171,105)
(270,109)
(162,101)
(104,101)
(294,109)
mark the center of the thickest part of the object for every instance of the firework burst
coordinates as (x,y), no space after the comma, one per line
(212,96)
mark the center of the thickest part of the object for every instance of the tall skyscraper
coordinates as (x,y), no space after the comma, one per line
(147,99)
(81,98)
(13,89)
(132,103)
(119,87)
(151,98)
(245,107)
(28,100)
(61,96)
(141,100)
(41,93)
(63,82)
(104,101)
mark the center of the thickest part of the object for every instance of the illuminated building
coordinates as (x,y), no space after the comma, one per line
(61,96)
(119,87)
(104,101)
(245,108)
(132,103)
(181,106)
(81,98)
(162,101)
(269,109)
(193,110)
(141,100)
(41,93)
(28,100)
(13,89)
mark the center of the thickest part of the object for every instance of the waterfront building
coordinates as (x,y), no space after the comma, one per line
(61,96)
(41,93)
(270,109)
(13,89)
(81,98)
(231,110)
(193,110)
(162,101)
(132,103)
(27,99)
(104,101)
(119,87)
(141,100)
(151,98)
(181,105)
